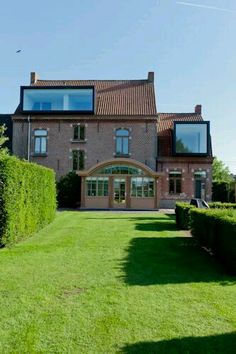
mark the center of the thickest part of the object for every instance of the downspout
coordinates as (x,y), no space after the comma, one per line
(29,139)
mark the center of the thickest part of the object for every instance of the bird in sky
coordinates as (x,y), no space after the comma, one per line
(18,51)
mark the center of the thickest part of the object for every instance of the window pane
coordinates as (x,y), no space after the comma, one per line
(178,185)
(82,132)
(43,145)
(200,174)
(37,146)
(36,106)
(46,106)
(119,146)
(81,160)
(151,188)
(76,132)
(122,132)
(75,160)
(40,132)
(125,146)
(171,186)
(191,138)
(105,187)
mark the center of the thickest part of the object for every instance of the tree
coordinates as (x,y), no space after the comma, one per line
(221,172)
(3,139)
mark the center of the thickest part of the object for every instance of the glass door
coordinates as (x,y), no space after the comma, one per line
(119,200)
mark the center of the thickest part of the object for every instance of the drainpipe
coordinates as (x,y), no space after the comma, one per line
(29,138)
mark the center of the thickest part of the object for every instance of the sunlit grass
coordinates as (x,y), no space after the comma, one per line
(113,282)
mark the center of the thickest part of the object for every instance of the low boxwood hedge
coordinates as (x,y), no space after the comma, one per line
(182,215)
(216,230)
(27,198)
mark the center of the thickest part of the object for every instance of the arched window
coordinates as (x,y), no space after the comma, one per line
(122,142)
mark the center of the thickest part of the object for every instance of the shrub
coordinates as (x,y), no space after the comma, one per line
(216,230)
(182,215)
(27,199)
(69,191)
(219,205)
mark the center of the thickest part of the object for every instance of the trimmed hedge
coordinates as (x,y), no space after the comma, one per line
(216,230)
(182,215)
(219,205)
(27,199)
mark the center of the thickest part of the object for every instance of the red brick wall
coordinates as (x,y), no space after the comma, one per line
(99,145)
(188,182)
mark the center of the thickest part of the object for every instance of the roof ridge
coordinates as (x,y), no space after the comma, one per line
(99,80)
(186,113)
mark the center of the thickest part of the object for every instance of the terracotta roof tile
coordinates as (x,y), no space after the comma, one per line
(116,97)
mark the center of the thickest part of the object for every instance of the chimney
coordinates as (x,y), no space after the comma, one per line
(151,76)
(33,78)
(198,109)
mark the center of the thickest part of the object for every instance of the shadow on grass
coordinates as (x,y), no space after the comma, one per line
(217,344)
(157,259)
(158,218)
(170,260)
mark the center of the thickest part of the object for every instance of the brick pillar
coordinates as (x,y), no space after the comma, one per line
(128,200)
(157,198)
(110,192)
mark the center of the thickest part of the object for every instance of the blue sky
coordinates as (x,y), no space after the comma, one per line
(192,50)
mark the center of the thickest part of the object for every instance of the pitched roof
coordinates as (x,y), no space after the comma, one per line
(164,129)
(116,97)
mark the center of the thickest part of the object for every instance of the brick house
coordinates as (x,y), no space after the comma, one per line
(110,133)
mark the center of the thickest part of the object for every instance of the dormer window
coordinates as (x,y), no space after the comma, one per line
(191,138)
(59,100)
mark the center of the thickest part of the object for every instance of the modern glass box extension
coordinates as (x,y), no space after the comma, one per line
(191,138)
(57,99)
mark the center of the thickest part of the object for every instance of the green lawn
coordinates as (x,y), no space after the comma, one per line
(114,283)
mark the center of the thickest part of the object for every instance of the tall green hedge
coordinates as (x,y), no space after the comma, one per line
(216,230)
(27,199)
(182,215)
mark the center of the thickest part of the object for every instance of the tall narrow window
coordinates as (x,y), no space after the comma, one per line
(79,132)
(122,142)
(78,157)
(175,182)
(40,141)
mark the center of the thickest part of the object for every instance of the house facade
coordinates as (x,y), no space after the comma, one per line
(110,133)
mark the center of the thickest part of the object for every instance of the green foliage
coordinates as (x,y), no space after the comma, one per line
(3,139)
(220,172)
(219,205)
(216,230)
(27,199)
(69,191)
(182,215)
